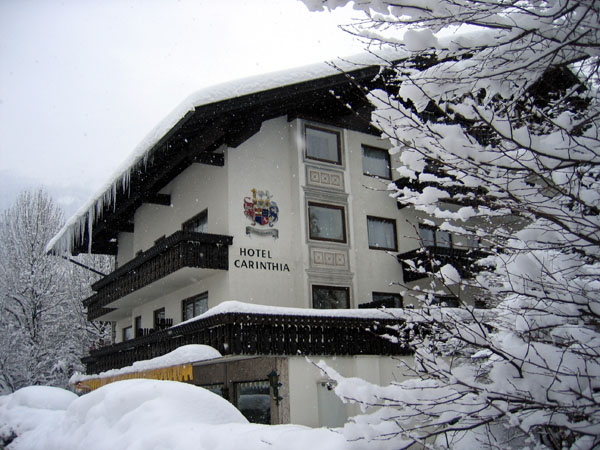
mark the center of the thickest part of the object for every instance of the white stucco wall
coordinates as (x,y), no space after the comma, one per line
(273,160)
(305,377)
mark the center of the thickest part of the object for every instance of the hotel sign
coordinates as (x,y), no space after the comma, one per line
(259,259)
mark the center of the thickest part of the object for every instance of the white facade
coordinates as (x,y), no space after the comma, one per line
(263,269)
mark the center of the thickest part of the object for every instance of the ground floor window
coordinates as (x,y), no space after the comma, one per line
(194,306)
(330,297)
(218,389)
(253,399)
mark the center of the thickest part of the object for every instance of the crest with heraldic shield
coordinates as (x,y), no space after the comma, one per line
(261,211)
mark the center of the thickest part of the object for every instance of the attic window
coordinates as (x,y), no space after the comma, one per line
(323,145)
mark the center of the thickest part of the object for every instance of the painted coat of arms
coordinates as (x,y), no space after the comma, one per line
(261,211)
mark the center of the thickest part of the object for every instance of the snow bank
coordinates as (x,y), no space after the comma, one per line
(41,397)
(32,408)
(156,415)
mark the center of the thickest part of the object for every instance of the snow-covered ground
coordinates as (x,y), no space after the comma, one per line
(145,415)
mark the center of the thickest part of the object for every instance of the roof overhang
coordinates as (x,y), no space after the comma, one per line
(339,99)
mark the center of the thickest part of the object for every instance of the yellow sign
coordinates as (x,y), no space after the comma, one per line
(173,373)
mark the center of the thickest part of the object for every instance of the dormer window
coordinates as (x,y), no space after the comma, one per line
(198,223)
(323,145)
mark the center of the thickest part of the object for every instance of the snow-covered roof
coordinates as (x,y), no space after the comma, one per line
(75,228)
(185,354)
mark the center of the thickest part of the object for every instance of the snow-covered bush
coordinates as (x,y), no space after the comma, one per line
(500,99)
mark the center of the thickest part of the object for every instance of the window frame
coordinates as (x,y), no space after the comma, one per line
(193,299)
(341,208)
(338,135)
(125,331)
(345,289)
(396,296)
(388,160)
(451,301)
(191,222)
(390,221)
(435,231)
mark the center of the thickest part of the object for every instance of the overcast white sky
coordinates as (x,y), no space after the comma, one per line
(82,82)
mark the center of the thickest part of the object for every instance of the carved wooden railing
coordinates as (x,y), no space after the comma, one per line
(260,334)
(181,249)
(429,259)
(459,193)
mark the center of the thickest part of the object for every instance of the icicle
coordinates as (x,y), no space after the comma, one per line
(90,226)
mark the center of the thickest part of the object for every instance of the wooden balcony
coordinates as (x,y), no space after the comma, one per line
(180,250)
(459,194)
(429,259)
(259,334)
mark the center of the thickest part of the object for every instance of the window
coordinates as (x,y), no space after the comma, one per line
(137,327)
(433,237)
(194,306)
(219,389)
(472,241)
(387,299)
(326,222)
(376,162)
(330,297)
(127,333)
(198,223)
(323,145)
(159,318)
(449,301)
(253,399)
(382,233)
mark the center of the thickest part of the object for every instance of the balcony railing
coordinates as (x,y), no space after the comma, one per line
(181,249)
(260,334)
(429,259)
(459,194)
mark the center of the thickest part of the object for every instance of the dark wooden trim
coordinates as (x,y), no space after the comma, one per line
(261,334)
(211,159)
(158,199)
(231,121)
(181,249)
(432,258)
